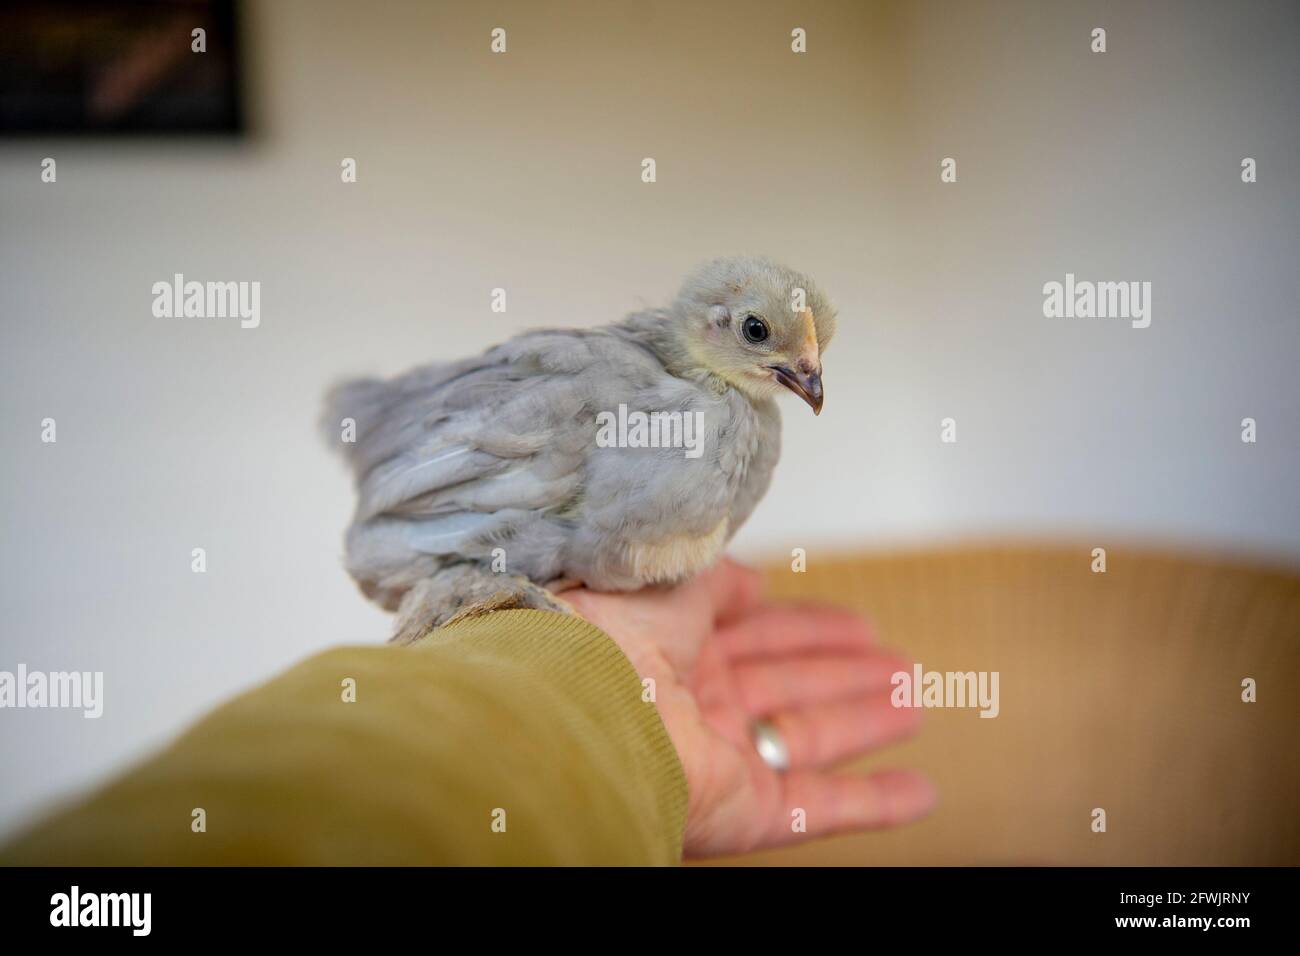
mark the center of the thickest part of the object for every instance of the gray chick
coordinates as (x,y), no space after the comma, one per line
(614,457)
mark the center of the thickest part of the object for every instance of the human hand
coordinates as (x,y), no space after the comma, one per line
(720,659)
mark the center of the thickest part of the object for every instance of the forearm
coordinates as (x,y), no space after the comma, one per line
(519,737)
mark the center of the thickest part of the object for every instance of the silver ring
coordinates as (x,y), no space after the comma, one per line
(770,745)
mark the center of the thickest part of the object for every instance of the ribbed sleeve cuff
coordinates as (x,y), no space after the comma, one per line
(607,709)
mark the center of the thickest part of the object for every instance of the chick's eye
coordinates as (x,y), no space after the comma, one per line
(754,329)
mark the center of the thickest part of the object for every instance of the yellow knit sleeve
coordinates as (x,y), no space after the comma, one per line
(517,737)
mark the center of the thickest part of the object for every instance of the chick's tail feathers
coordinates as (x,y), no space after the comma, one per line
(349,404)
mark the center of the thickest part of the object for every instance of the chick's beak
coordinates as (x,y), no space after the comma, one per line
(806,382)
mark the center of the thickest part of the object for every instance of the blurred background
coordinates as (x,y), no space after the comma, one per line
(523,171)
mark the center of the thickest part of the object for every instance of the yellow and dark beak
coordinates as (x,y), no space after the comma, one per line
(806,382)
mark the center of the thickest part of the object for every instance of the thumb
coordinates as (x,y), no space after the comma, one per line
(733,589)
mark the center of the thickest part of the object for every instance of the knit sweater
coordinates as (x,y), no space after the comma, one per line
(518,737)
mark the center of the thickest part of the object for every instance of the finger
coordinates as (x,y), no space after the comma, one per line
(775,630)
(827,734)
(841,803)
(768,685)
(733,589)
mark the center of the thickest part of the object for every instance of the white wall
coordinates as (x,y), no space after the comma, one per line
(522,171)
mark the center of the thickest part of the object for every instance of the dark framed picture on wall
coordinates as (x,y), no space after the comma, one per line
(119,66)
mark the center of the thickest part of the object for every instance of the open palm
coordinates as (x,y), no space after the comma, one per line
(721,658)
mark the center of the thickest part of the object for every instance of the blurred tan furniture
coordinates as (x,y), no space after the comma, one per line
(1119,690)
